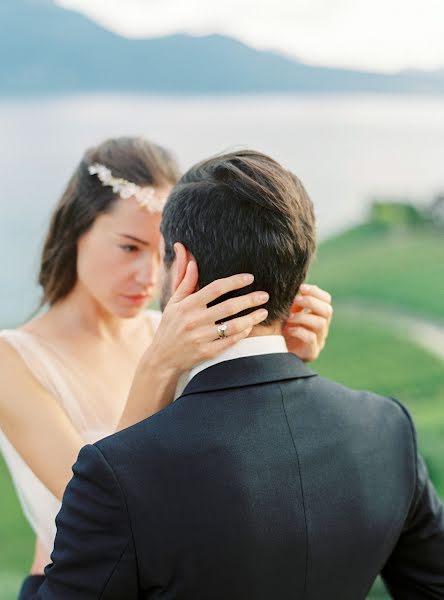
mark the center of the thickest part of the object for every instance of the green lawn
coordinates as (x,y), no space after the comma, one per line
(397,268)
(16,540)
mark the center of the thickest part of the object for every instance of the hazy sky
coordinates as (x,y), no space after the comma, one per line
(375,34)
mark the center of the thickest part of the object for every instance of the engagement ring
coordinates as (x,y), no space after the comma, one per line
(221,329)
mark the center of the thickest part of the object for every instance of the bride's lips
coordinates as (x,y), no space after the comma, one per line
(136,298)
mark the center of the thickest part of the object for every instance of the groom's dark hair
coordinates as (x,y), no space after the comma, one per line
(244,213)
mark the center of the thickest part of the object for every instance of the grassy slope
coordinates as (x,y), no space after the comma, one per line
(399,269)
(16,540)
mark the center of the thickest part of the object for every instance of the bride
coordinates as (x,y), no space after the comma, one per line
(70,375)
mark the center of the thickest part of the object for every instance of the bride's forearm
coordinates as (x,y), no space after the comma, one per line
(152,389)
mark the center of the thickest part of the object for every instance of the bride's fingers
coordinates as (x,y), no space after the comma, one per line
(209,333)
(317,292)
(309,338)
(220,287)
(233,306)
(309,321)
(214,348)
(224,310)
(188,284)
(319,307)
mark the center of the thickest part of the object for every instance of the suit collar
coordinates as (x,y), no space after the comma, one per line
(251,370)
(250,346)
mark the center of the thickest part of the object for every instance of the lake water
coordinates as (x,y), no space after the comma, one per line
(346,149)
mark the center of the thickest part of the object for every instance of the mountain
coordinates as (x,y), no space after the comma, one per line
(47,49)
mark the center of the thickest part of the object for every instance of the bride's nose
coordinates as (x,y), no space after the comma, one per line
(144,271)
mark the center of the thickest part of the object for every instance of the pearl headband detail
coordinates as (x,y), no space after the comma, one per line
(145,196)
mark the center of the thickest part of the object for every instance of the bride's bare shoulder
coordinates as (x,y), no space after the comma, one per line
(6,349)
(10,339)
(18,380)
(12,365)
(41,325)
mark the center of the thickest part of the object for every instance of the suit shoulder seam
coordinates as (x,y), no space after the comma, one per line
(302,490)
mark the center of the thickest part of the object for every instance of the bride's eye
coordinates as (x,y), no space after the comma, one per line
(129,248)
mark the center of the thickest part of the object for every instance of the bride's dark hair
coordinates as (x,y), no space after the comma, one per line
(85,198)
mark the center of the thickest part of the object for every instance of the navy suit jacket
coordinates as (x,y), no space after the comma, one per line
(262,481)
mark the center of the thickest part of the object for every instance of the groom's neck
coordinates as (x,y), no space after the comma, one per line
(273,329)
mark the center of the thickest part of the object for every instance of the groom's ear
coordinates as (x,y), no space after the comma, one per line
(183,257)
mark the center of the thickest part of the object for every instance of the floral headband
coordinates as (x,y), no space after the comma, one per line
(145,196)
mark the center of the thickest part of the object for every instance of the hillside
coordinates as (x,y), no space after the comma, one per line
(395,268)
(48,49)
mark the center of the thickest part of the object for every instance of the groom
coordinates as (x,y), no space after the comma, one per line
(263,481)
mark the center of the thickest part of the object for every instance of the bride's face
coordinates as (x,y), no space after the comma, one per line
(118,258)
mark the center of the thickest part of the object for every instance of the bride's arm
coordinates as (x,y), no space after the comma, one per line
(35,424)
(40,431)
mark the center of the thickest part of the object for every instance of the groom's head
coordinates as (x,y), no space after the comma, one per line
(243,213)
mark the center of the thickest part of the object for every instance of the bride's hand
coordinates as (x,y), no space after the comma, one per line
(188,335)
(309,321)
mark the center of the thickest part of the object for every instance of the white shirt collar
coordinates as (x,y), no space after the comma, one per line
(252,346)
